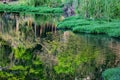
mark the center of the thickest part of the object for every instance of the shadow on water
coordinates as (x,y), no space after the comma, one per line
(59,56)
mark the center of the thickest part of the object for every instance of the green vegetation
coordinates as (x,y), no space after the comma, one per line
(70,58)
(31,48)
(95,16)
(24,64)
(77,24)
(25,8)
(110,28)
(55,59)
(41,2)
(105,9)
(111,74)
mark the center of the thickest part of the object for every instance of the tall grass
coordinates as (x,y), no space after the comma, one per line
(50,3)
(99,8)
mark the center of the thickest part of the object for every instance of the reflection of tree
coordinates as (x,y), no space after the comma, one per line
(115,47)
(5,51)
(9,22)
(72,56)
(81,60)
(53,58)
(26,65)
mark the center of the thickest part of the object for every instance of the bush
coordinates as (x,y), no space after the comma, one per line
(111,74)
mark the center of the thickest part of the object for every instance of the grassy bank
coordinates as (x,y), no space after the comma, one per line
(78,24)
(24,8)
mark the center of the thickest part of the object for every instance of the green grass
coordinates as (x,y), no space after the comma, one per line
(110,28)
(73,21)
(78,24)
(24,8)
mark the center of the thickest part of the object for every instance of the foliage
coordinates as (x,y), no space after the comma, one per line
(67,56)
(41,2)
(111,29)
(77,24)
(72,56)
(5,50)
(19,52)
(25,66)
(99,8)
(61,57)
(111,74)
(25,8)
(73,21)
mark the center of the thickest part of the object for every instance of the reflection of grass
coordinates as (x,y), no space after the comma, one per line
(14,40)
(77,24)
(23,8)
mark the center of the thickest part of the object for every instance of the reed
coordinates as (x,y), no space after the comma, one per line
(99,8)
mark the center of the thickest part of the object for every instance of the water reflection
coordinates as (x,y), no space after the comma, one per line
(56,55)
(37,24)
(87,55)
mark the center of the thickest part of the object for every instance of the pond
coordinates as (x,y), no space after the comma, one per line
(32,48)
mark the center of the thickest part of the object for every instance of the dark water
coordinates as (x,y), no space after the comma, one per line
(31,48)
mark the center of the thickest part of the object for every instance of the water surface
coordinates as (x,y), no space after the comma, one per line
(31,47)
